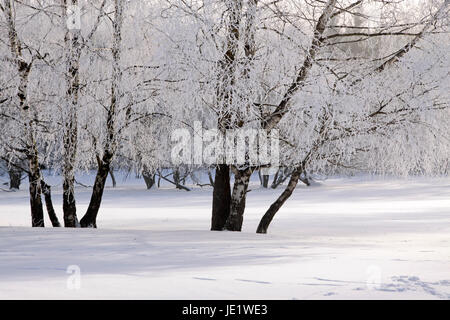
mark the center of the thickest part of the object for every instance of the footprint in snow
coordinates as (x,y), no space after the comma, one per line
(255,281)
(206,279)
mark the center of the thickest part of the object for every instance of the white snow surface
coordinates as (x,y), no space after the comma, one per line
(346,238)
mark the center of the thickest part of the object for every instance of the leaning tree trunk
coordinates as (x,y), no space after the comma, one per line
(221,198)
(270,214)
(104,164)
(238,199)
(90,218)
(46,191)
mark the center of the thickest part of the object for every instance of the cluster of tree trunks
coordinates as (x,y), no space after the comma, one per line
(234,206)
(228,204)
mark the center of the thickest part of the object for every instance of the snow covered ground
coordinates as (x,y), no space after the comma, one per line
(359,238)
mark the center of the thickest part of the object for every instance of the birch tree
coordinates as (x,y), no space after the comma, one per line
(27,113)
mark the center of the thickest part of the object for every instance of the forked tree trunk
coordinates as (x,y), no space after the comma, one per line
(73,48)
(46,190)
(238,200)
(221,198)
(270,214)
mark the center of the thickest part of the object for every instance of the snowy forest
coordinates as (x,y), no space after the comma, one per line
(239,113)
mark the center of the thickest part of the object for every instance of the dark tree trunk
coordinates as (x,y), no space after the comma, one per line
(90,218)
(265,181)
(221,198)
(268,216)
(178,180)
(69,205)
(46,190)
(275,178)
(15,178)
(238,199)
(149,179)
(159,179)
(37,211)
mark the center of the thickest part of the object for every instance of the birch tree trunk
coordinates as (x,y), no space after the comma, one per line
(275,207)
(221,193)
(89,220)
(30,145)
(242,177)
(238,199)
(297,84)
(72,55)
(34,178)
